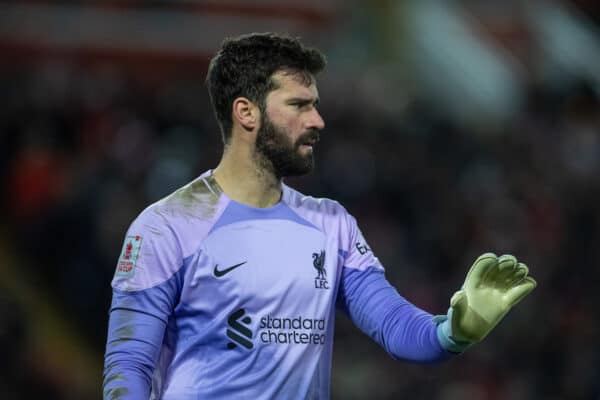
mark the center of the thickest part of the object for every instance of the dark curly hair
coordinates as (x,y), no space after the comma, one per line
(244,66)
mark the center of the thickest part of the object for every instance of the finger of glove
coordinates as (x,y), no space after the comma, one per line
(520,272)
(459,304)
(517,293)
(480,269)
(459,300)
(507,265)
(459,308)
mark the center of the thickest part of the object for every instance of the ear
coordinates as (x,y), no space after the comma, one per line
(246,113)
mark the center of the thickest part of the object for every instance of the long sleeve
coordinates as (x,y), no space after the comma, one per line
(135,334)
(136,329)
(402,329)
(146,290)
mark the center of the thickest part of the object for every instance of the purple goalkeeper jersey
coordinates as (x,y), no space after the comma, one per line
(214,299)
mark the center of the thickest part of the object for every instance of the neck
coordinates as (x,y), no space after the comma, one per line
(245,180)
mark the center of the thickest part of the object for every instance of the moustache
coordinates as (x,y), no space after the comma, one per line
(311,138)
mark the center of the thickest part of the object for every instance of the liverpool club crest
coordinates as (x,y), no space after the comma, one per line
(319,264)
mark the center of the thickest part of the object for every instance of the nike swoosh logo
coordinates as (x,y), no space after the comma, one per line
(219,273)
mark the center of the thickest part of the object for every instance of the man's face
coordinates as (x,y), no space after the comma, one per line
(290,126)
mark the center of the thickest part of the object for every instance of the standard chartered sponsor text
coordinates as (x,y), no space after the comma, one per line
(298,330)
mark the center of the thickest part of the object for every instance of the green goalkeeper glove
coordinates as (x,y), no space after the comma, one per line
(492,287)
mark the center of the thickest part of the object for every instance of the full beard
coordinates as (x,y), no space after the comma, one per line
(277,154)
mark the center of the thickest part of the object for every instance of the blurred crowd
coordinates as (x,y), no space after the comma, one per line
(84,149)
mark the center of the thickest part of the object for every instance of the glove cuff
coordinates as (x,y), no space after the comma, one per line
(444,334)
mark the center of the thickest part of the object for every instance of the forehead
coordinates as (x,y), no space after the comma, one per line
(293,84)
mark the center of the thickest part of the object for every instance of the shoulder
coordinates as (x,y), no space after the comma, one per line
(321,211)
(196,201)
(165,234)
(185,216)
(321,205)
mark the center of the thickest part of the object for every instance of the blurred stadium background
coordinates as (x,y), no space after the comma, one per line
(453,127)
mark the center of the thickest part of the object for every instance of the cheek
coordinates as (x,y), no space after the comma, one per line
(291,124)
(279,117)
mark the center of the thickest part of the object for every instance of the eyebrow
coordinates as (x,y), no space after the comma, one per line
(303,100)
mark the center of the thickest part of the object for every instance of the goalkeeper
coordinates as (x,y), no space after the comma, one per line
(228,287)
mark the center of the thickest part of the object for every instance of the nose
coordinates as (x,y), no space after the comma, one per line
(316,121)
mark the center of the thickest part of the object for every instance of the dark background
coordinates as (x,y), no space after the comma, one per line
(453,128)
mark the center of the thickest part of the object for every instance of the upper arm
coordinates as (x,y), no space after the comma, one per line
(355,256)
(151,254)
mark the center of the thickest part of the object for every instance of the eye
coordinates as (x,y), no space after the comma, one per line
(303,104)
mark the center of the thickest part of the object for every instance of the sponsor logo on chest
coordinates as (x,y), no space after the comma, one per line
(274,330)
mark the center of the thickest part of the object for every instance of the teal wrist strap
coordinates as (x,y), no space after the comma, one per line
(444,334)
